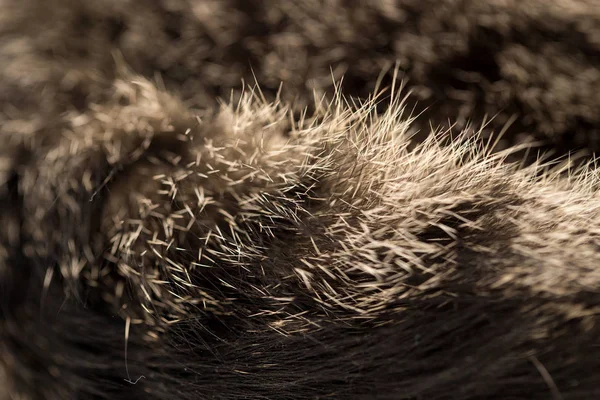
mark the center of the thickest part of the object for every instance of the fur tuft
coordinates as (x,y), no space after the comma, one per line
(150,251)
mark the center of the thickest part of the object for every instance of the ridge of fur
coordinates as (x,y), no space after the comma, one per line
(254,253)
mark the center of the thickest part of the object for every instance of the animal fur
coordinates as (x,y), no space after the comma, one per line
(156,245)
(251,255)
(533,65)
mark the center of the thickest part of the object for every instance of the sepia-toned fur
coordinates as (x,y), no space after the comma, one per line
(296,241)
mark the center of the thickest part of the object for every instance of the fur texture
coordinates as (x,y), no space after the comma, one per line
(530,64)
(156,244)
(252,255)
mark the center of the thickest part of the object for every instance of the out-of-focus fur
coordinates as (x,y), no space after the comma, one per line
(535,60)
(155,245)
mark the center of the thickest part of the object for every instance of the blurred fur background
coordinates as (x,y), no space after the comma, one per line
(334,260)
(534,60)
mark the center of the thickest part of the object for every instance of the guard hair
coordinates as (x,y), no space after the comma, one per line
(149,250)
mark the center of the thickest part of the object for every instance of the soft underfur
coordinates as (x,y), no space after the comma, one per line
(157,244)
